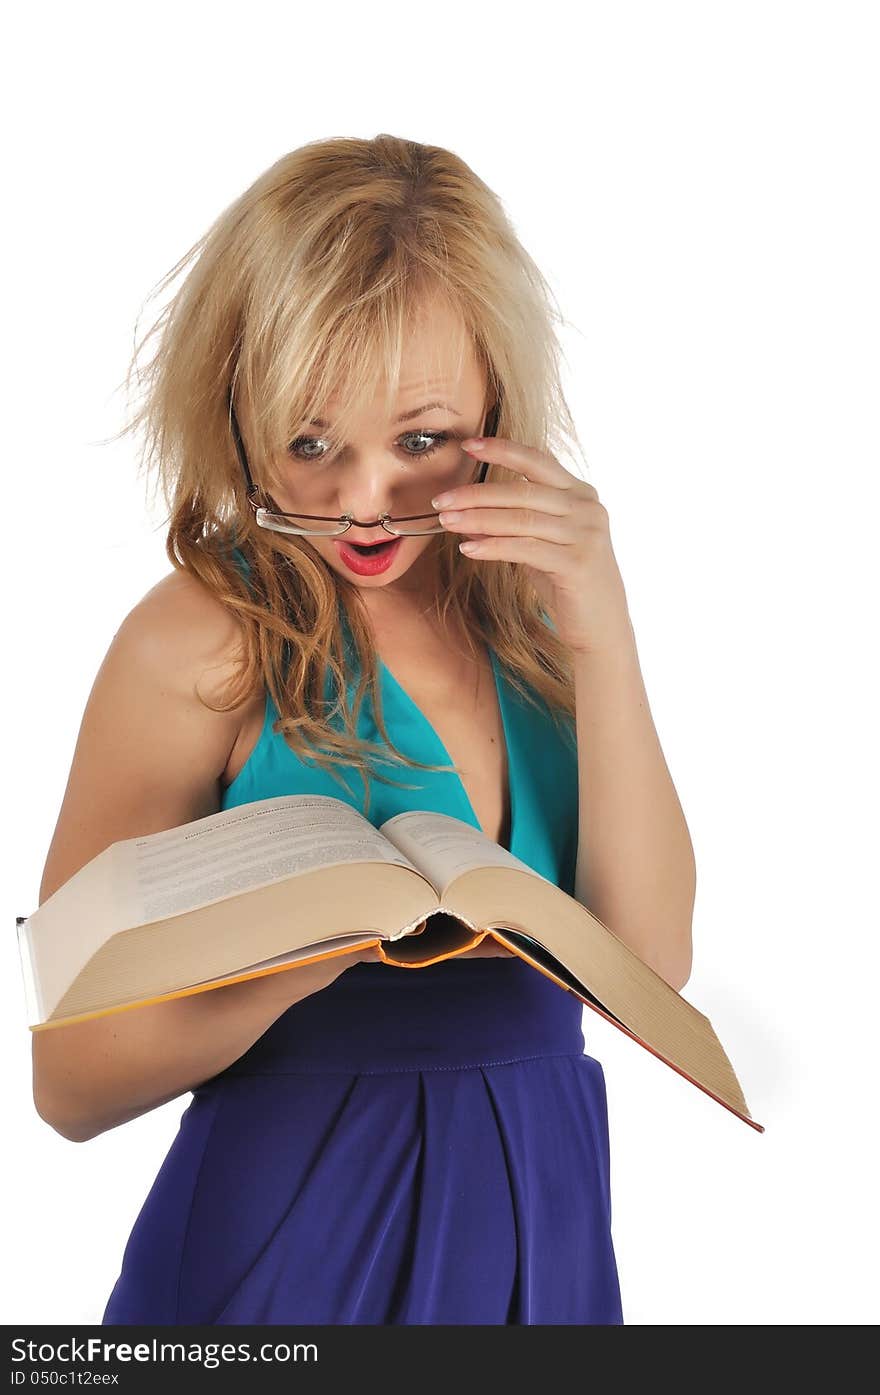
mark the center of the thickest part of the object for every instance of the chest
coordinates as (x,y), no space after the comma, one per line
(456,695)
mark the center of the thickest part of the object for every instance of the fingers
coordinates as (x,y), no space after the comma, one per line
(487,949)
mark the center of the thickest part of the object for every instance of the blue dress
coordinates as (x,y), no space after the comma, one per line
(405,1146)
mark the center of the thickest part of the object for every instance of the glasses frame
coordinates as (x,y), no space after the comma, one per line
(345,520)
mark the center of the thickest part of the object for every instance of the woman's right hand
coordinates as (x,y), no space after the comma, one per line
(292,985)
(298,982)
(488,948)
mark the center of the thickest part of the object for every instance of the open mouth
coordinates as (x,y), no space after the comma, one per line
(369,549)
(368,559)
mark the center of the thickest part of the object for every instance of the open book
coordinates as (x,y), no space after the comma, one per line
(267,886)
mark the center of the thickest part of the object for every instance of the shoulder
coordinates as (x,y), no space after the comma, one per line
(151,749)
(180,628)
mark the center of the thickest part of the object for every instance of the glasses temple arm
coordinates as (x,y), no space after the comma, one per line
(239,443)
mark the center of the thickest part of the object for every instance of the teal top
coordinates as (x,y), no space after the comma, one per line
(542,769)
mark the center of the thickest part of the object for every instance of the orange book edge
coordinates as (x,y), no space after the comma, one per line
(420,964)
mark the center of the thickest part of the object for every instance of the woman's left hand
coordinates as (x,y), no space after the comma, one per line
(555,525)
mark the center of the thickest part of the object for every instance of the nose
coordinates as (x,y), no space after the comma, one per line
(374,532)
(365,494)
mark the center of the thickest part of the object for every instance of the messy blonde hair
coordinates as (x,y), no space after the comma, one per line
(308,280)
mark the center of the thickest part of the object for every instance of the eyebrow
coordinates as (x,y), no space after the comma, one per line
(405,416)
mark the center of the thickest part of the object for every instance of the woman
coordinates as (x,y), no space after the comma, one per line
(369,1144)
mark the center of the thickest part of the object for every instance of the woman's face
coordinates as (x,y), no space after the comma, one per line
(394,466)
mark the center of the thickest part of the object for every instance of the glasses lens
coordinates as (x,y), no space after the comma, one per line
(298,525)
(413,514)
(412,526)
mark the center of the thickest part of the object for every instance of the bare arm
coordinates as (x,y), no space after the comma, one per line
(91,1076)
(635,864)
(149,756)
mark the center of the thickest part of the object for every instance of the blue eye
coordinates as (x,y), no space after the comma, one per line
(437,439)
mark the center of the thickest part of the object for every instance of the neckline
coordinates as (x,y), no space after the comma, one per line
(446,758)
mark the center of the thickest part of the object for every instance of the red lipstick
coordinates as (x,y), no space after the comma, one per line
(371,563)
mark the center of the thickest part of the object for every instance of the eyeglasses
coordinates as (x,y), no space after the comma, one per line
(278,521)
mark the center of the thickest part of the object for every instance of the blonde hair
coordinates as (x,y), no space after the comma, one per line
(307,281)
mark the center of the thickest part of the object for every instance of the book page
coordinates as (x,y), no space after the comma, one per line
(317,951)
(237,850)
(445,847)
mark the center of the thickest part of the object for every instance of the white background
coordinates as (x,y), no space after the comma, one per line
(698,181)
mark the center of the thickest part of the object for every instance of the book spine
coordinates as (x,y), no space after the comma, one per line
(422,921)
(33,1000)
